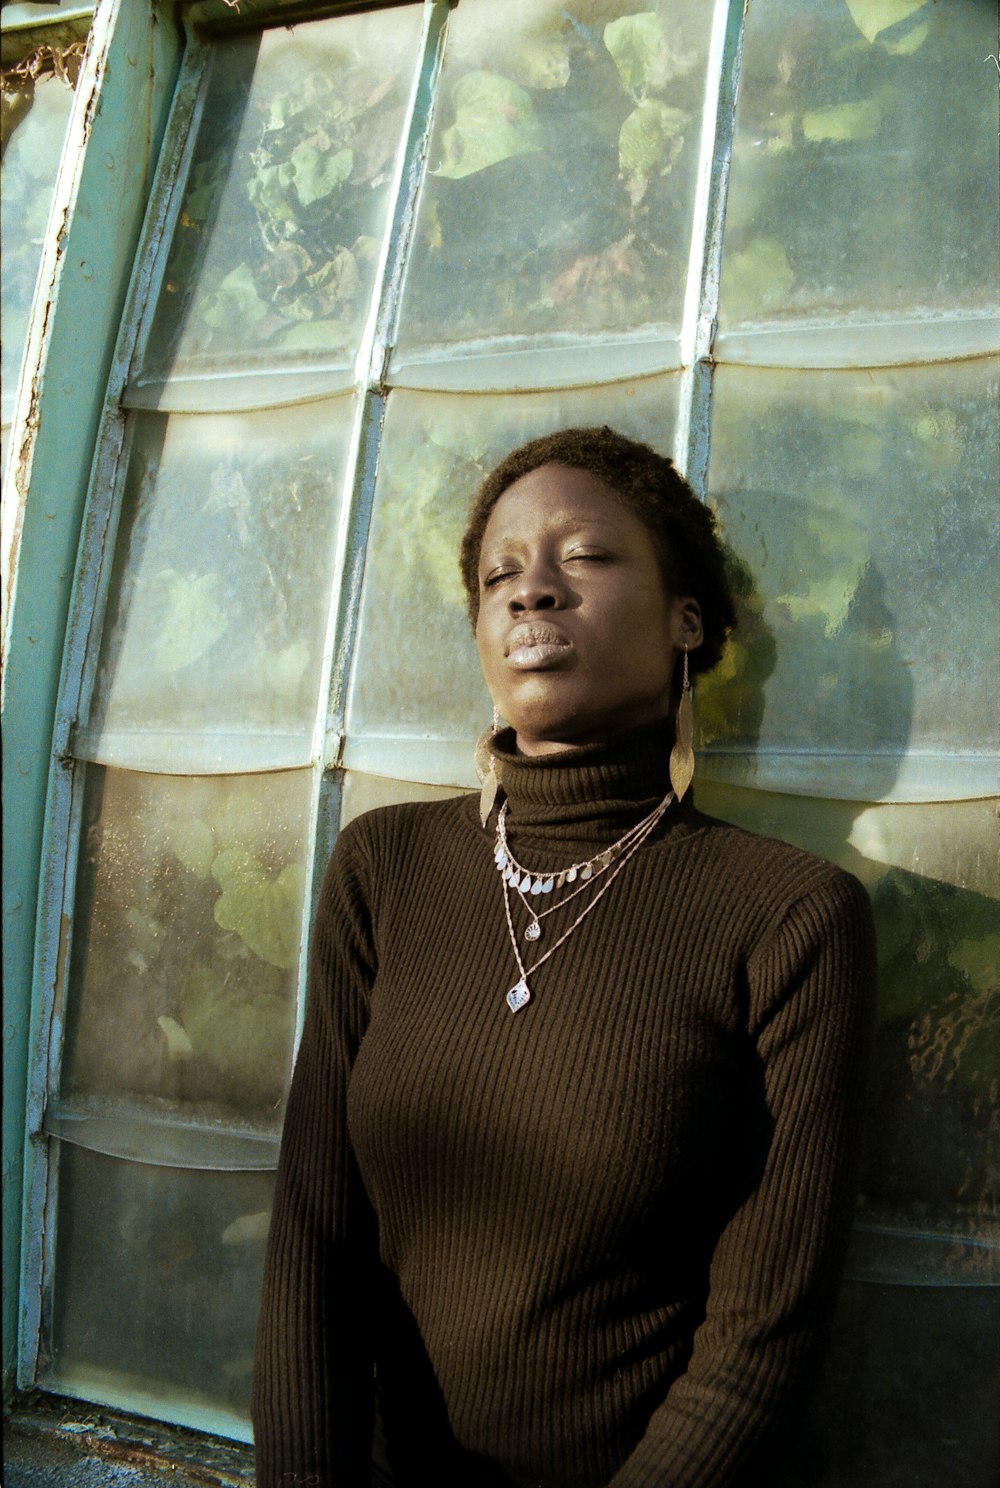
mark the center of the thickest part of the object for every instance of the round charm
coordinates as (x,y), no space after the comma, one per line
(534,931)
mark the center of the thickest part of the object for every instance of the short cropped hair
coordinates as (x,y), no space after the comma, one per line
(684,532)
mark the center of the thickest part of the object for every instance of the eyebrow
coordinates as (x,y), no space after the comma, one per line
(565,524)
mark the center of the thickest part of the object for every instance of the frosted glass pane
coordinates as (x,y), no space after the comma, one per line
(864,172)
(217,620)
(186,941)
(279,229)
(928,1186)
(31,154)
(415,672)
(561,171)
(159,1273)
(865,507)
(954,842)
(365,792)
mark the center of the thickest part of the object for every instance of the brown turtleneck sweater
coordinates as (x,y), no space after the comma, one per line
(594,1242)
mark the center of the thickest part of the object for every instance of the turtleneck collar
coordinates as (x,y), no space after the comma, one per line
(590,791)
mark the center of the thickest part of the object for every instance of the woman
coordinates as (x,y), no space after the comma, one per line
(566,1159)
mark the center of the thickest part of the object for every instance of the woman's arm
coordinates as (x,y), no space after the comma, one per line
(313,1388)
(777,1263)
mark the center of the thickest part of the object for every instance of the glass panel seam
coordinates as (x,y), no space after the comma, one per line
(842,345)
(189,1146)
(326,820)
(166,198)
(91,581)
(316,851)
(376,342)
(691,437)
(54,944)
(520,364)
(357,512)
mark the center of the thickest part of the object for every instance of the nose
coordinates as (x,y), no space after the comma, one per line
(539,587)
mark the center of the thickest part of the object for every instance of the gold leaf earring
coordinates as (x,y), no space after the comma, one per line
(486,768)
(682,754)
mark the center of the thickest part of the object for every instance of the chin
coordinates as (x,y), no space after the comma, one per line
(545,736)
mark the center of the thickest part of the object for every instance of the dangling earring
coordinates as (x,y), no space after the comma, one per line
(486,768)
(682,754)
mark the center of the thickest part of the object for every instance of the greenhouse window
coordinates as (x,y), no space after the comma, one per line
(384,244)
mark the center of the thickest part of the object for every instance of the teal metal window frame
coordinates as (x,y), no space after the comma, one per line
(96,215)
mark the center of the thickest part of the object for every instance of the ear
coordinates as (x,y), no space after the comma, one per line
(688,628)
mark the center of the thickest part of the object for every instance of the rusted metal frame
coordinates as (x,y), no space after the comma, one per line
(214,17)
(21,33)
(127,1449)
(692,435)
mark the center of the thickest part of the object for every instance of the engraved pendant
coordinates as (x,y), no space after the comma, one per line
(533,931)
(518,996)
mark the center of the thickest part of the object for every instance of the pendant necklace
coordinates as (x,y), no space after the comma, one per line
(619,854)
(540,883)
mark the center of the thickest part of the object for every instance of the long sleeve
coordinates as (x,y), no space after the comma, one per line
(313,1389)
(776,1265)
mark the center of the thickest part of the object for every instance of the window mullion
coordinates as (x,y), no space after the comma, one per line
(362,463)
(165,202)
(376,342)
(100,524)
(370,365)
(48,1022)
(691,440)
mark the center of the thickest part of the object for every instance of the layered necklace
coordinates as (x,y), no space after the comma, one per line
(535,888)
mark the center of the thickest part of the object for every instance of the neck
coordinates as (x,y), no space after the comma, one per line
(533,748)
(589,792)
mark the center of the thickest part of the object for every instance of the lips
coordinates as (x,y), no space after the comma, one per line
(535,644)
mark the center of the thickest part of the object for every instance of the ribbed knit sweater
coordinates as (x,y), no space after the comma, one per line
(591,1244)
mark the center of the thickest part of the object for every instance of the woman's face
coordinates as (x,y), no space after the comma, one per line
(577,635)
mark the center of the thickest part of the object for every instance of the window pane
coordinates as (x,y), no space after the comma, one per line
(186,940)
(280,225)
(214,642)
(953,842)
(159,1274)
(927,1210)
(864,175)
(864,504)
(35,117)
(561,172)
(416,676)
(365,792)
